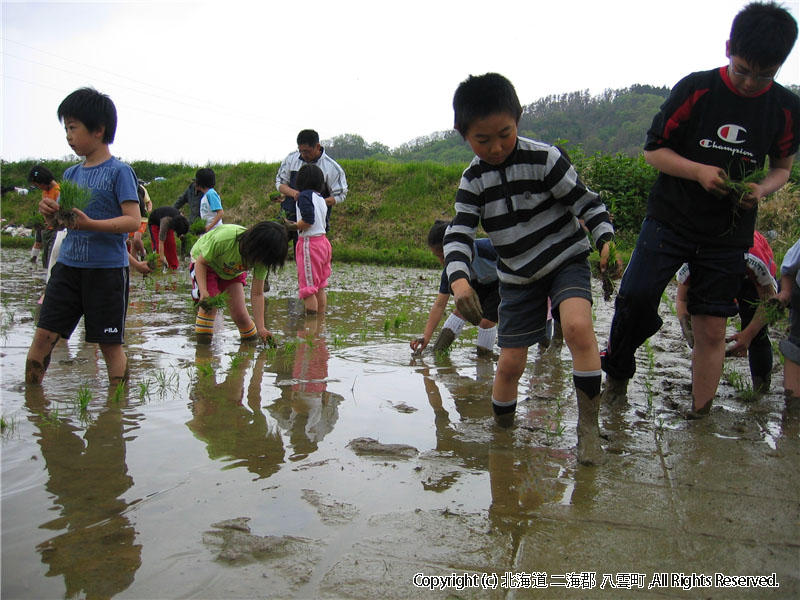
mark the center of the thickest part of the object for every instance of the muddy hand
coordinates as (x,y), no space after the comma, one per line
(470,307)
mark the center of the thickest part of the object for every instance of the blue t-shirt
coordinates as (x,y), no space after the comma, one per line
(482,269)
(112,183)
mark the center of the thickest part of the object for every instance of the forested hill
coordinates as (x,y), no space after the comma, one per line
(615,121)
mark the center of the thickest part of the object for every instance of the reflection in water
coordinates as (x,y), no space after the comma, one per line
(229,429)
(306,409)
(520,480)
(87,477)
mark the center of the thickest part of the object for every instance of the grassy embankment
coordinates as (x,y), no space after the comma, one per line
(390,207)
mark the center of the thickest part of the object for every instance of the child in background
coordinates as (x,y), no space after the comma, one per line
(91,278)
(758,285)
(42,178)
(165,223)
(135,243)
(210,204)
(529,199)
(482,278)
(790,347)
(313,251)
(220,261)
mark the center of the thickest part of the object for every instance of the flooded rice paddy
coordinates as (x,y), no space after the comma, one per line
(337,465)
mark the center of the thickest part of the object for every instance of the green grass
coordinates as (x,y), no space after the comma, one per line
(390,206)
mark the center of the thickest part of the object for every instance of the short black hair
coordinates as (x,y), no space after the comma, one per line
(206,178)
(436,234)
(310,177)
(763,33)
(40,174)
(265,243)
(480,96)
(180,225)
(92,108)
(307,137)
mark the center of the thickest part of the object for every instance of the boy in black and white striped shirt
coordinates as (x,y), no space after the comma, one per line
(529,200)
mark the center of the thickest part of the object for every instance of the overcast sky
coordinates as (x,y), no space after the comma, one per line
(230,80)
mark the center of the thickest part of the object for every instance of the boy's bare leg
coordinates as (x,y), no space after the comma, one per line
(116,362)
(39,355)
(510,367)
(578,331)
(791,379)
(707,360)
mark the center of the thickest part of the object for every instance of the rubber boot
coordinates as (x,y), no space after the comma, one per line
(590,452)
(615,391)
(446,338)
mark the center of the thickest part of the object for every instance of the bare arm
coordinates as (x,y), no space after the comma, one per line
(128,222)
(435,316)
(257,306)
(670,162)
(745,337)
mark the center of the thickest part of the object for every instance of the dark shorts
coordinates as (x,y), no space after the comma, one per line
(100,296)
(523,308)
(489,295)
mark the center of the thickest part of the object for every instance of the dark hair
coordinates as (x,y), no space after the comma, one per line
(436,234)
(265,243)
(93,109)
(307,137)
(40,174)
(479,96)
(206,178)
(140,191)
(763,33)
(180,225)
(310,177)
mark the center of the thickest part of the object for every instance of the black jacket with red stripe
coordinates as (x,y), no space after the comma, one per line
(706,120)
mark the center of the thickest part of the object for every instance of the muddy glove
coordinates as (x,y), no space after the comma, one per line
(470,307)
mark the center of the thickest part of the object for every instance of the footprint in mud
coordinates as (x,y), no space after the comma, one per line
(235,543)
(330,511)
(371,447)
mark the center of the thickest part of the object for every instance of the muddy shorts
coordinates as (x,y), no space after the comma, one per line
(523,308)
(100,296)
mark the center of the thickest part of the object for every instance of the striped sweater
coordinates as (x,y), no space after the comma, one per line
(529,207)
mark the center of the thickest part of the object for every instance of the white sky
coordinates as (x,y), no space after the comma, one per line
(230,80)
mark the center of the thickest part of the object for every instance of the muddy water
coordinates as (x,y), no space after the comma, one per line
(338,465)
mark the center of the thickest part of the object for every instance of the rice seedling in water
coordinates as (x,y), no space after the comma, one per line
(119,392)
(72,196)
(205,370)
(741,384)
(167,381)
(215,302)
(144,390)
(83,398)
(7,424)
(50,420)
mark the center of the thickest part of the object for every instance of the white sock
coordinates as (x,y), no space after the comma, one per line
(486,337)
(455,323)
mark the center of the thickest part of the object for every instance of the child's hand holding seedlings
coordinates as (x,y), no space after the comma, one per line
(467,302)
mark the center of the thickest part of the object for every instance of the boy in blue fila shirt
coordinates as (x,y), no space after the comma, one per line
(90,279)
(529,200)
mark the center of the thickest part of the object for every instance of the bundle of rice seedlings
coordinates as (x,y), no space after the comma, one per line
(152,260)
(198,227)
(218,301)
(72,196)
